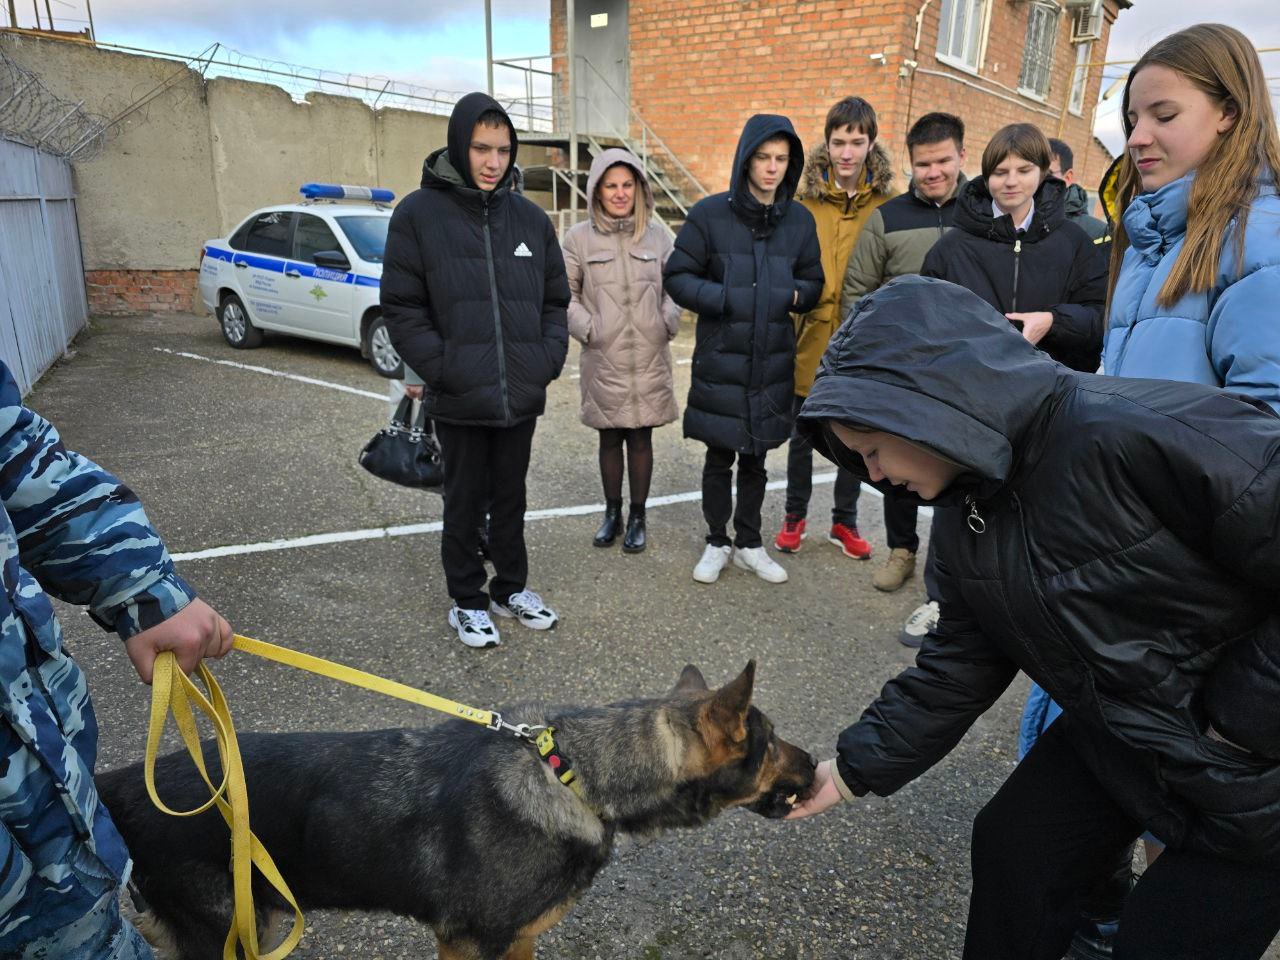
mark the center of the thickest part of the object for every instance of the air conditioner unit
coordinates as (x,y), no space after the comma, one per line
(1086,21)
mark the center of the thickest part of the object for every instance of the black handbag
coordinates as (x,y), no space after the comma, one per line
(404,453)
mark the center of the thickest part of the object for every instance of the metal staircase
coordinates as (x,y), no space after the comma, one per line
(675,188)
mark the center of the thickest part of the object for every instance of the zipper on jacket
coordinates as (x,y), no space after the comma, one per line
(497,315)
(1017,264)
(974,519)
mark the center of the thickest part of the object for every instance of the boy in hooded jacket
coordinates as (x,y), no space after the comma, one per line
(1155,624)
(475,297)
(743,261)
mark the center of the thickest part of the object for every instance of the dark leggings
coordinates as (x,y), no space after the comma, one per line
(639,441)
(1043,840)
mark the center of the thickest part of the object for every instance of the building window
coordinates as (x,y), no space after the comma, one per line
(1037,58)
(1080,78)
(960,32)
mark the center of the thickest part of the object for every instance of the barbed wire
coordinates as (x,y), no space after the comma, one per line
(298,80)
(32,113)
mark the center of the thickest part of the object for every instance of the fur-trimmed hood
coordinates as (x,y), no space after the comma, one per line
(816,183)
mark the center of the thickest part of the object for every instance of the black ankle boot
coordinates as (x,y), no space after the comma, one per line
(634,539)
(609,527)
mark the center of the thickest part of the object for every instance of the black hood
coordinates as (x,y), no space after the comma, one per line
(974,214)
(932,363)
(758,129)
(462,123)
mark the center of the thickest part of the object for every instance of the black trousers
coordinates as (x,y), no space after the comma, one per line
(900,524)
(900,531)
(1043,840)
(800,479)
(484,469)
(717,497)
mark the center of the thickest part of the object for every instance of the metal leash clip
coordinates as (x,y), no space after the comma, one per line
(523,731)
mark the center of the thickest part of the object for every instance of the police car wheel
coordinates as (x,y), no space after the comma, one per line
(237,329)
(382,355)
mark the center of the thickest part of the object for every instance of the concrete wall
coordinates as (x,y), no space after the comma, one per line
(198,158)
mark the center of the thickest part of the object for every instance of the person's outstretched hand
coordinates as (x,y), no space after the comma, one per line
(193,633)
(824,793)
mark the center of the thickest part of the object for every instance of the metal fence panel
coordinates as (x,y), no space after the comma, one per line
(69,268)
(42,294)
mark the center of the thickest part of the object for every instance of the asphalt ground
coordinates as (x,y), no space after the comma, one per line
(225,456)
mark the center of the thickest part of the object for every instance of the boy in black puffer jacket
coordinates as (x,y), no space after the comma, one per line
(476,297)
(744,261)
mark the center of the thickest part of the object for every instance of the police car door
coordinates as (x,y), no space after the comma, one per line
(259,269)
(318,298)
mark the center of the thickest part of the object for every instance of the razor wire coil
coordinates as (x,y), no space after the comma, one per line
(33,114)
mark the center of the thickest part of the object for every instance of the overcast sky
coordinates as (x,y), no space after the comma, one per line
(440,43)
(1149,20)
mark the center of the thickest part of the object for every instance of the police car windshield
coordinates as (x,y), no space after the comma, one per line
(367,234)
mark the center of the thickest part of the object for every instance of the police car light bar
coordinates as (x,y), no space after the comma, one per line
(334,191)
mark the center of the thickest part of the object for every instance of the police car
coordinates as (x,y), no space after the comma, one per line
(309,269)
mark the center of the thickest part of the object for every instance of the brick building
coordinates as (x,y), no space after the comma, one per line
(694,70)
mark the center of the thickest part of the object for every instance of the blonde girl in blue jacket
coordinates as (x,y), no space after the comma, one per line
(1195,267)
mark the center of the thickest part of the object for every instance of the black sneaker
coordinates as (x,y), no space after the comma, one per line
(1094,941)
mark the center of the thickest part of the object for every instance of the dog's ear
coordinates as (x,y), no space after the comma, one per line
(691,681)
(727,708)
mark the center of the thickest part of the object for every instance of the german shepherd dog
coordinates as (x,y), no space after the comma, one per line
(463,828)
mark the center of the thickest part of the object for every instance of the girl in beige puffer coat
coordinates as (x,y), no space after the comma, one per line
(624,321)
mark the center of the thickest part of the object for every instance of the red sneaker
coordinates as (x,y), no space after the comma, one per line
(792,532)
(847,539)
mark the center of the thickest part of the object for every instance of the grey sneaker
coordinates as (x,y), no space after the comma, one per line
(474,627)
(527,607)
(923,619)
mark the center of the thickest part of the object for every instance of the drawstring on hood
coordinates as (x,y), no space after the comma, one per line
(974,214)
(762,218)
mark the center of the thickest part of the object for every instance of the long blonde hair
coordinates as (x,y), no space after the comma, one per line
(639,209)
(1222,62)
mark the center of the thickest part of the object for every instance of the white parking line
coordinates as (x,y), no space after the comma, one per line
(435,526)
(415,529)
(276,373)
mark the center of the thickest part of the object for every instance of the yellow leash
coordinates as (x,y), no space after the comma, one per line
(172,691)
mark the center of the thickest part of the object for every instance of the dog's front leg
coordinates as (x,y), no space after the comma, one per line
(522,949)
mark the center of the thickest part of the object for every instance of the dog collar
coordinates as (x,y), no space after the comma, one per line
(560,764)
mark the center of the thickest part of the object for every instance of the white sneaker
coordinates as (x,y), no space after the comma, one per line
(714,559)
(474,627)
(760,563)
(923,619)
(527,607)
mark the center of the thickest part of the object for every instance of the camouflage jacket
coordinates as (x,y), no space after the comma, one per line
(70,529)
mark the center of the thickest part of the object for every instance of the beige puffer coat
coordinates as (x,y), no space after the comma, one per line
(619,312)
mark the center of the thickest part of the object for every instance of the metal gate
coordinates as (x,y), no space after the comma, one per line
(42,295)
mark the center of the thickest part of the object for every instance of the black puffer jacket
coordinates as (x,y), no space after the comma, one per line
(743,268)
(1121,548)
(474,288)
(1052,265)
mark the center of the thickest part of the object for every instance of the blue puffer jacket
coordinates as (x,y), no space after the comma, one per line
(1226,336)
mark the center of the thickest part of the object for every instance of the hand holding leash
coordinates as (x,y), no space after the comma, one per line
(193,633)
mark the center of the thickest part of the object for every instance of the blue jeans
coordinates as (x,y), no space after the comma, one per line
(101,934)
